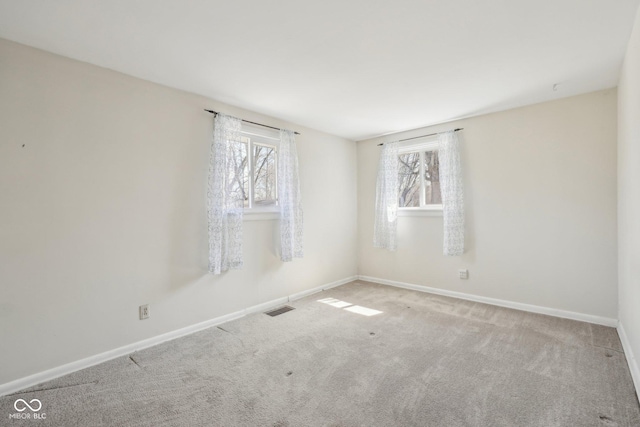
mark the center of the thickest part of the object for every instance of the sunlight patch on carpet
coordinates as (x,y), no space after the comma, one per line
(349,307)
(335,302)
(363,310)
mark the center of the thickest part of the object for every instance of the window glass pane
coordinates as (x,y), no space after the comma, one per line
(432,178)
(264,183)
(409,180)
(239,174)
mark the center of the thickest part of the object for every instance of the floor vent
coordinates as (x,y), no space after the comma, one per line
(279,311)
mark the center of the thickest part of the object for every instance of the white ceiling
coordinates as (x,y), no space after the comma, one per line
(355,68)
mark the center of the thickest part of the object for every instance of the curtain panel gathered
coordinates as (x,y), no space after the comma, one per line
(386,214)
(289,200)
(452,193)
(386,207)
(224,202)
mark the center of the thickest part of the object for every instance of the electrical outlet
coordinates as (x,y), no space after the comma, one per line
(144,311)
(463,273)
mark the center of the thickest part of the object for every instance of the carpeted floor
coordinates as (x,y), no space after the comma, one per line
(426,360)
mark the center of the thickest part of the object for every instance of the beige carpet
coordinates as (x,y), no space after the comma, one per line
(426,360)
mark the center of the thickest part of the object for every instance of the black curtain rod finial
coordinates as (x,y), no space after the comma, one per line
(215,113)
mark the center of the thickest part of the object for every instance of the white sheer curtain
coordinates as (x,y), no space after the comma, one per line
(225,196)
(452,193)
(386,215)
(289,199)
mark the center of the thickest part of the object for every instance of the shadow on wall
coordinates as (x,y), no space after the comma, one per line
(188,259)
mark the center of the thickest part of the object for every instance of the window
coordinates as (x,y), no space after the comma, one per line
(419,177)
(255,168)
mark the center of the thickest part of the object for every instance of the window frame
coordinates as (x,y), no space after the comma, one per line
(420,146)
(265,137)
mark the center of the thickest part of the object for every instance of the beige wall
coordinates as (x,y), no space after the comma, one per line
(629,197)
(102,186)
(541,209)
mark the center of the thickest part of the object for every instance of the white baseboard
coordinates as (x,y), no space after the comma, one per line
(598,320)
(308,292)
(631,359)
(59,371)
(265,306)
(50,374)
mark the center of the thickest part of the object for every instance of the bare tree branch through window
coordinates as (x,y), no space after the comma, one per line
(416,190)
(254,164)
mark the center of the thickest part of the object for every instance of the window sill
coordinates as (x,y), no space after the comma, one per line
(420,211)
(260,215)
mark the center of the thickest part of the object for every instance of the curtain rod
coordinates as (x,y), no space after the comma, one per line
(247,121)
(423,136)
